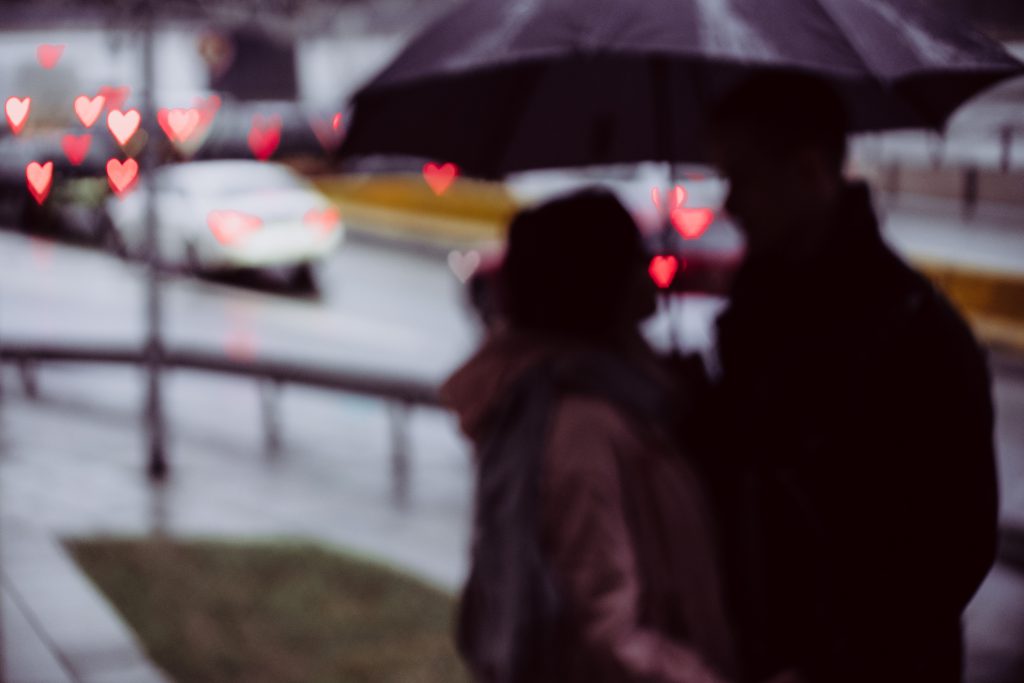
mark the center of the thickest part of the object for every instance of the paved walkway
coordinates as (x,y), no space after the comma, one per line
(71,465)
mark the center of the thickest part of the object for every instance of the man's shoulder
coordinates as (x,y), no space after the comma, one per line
(922,328)
(923,309)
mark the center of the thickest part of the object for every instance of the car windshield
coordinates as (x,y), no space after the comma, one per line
(232,179)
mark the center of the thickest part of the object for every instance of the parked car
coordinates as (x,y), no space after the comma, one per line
(230,215)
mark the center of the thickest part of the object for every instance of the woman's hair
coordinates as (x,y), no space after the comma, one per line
(573,266)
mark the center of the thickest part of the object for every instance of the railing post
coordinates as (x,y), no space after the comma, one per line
(970,198)
(27,370)
(269,391)
(157,467)
(399,413)
(1006,138)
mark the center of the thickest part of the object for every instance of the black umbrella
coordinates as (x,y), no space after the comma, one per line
(498,86)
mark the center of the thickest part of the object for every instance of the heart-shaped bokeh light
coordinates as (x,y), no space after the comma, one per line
(463,265)
(49,55)
(264,136)
(88,110)
(115,96)
(179,124)
(324,220)
(76,147)
(663,270)
(40,179)
(122,175)
(692,223)
(328,133)
(231,226)
(440,178)
(123,124)
(677,197)
(16,110)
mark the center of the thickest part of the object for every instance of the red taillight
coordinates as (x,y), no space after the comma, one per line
(324,220)
(229,227)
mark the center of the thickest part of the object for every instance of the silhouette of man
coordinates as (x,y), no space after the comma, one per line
(851,422)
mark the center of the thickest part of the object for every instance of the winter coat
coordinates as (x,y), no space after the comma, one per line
(621,524)
(851,435)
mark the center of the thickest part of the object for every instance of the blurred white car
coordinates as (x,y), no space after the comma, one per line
(224,215)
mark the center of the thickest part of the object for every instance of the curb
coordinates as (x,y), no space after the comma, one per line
(62,621)
(468,212)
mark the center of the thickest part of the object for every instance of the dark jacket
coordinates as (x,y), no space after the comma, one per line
(851,431)
(618,521)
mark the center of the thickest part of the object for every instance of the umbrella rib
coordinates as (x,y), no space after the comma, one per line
(921,113)
(842,32)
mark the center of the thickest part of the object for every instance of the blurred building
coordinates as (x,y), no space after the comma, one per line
(312,51)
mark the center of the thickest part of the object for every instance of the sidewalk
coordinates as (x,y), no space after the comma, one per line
(71,465)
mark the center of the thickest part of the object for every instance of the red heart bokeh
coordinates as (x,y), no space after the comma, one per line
(122,176)
(692,223)
(329,133)
(115,97)
(208,109)
(88,110)
(678,197)
(123,124)
(40,179)
(179,124)
(17,111)
(324,220)
(76,147)
(663,270)
(230,226)
(49,55)
(264,136)
(440,178)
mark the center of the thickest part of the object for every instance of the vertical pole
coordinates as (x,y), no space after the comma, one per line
(27,369)
(399,413)
(1006,138)
(154,344)
(938,143)
(271,416)
(970,198)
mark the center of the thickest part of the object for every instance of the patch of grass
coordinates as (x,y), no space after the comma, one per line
(212,612)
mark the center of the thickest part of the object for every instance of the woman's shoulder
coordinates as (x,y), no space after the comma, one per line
(578,414)
(587,428)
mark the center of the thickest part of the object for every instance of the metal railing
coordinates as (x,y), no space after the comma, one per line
(271,375)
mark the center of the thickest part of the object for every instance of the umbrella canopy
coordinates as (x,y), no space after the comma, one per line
(497,86)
